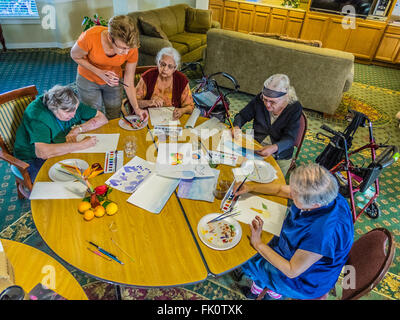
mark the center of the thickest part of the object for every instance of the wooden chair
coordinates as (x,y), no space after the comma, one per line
(12,107)
(371,256)
(299,141)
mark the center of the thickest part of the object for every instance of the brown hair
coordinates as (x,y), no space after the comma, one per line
(124,29)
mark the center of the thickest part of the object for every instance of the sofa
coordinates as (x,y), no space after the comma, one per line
(178,26)
(319,75)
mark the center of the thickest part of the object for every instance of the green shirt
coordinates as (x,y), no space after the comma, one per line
(39,124)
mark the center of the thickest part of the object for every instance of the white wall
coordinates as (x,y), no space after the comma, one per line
(68,18)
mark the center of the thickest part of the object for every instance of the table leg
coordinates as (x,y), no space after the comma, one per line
(3,42)
(118,292)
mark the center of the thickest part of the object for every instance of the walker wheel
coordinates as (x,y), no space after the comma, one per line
(372,211)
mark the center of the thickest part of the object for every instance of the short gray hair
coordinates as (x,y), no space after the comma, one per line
(313,184)
(60,98)
(170,52)
(281,82)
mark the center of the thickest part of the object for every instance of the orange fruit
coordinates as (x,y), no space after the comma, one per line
(111,208)
(99,211)
(83,206)
(88,215)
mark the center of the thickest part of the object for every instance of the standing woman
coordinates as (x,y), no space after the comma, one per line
(100,52)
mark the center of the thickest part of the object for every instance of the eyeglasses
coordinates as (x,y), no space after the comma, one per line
(272,102)
(120,48)
(170,66)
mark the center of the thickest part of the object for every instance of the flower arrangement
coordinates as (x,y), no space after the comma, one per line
(96,204)
(88,22)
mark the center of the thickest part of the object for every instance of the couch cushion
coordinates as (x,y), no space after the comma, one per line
(150,28)
(198,20)
(171,18)
(182,48)
(192,41)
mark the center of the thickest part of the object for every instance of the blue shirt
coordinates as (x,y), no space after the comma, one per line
(327,231)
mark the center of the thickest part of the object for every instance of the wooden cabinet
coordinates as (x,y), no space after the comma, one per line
(314,27)
(294,24)
(336,37)
(362,41)
(277,21)
(366,41)
(245,17)
(229,19)
(389,48)
(217,8)
(261,19)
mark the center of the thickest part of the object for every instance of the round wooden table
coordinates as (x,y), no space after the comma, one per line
(165,248)
(32,266)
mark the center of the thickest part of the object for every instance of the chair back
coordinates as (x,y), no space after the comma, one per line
(302,131)
(299,141)
(12,107)
(371,256)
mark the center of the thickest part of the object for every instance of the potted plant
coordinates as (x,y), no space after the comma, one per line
(95,21)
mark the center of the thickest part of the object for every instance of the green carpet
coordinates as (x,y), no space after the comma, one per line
(376,91)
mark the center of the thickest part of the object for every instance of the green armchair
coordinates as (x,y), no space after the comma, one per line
(178,26)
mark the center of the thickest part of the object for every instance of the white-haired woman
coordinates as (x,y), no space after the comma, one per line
(50,126)
(276,115)
(305,261)
(165,86)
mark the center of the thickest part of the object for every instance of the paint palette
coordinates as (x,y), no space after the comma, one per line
(114,161)
(137,124)
(219,235)
(227,202)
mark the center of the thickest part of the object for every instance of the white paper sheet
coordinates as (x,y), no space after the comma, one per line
(199,188)
(153,193)
(105,142)
(58,190)
(191,122)
(273,214)
(131,175)
(162,116)
(209,128)
(230,146)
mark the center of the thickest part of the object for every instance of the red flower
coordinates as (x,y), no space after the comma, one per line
(101,190)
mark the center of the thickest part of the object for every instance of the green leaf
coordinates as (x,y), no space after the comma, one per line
(264,207)
(106,203)
(87,199)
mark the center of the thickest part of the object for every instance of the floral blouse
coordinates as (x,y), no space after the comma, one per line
(165,95)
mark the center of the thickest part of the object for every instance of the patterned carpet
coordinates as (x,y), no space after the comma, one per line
(376,91)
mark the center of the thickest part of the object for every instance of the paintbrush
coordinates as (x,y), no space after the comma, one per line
(121,82)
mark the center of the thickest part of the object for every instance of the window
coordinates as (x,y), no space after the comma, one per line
(18,9)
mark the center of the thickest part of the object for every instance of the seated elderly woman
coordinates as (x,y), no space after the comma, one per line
(276,119)
(50,126)
(305,261)
(165,86)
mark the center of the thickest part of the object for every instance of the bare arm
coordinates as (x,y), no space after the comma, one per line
(50,150)
(129,80)
(273,189)
(300,261)
(96,122)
